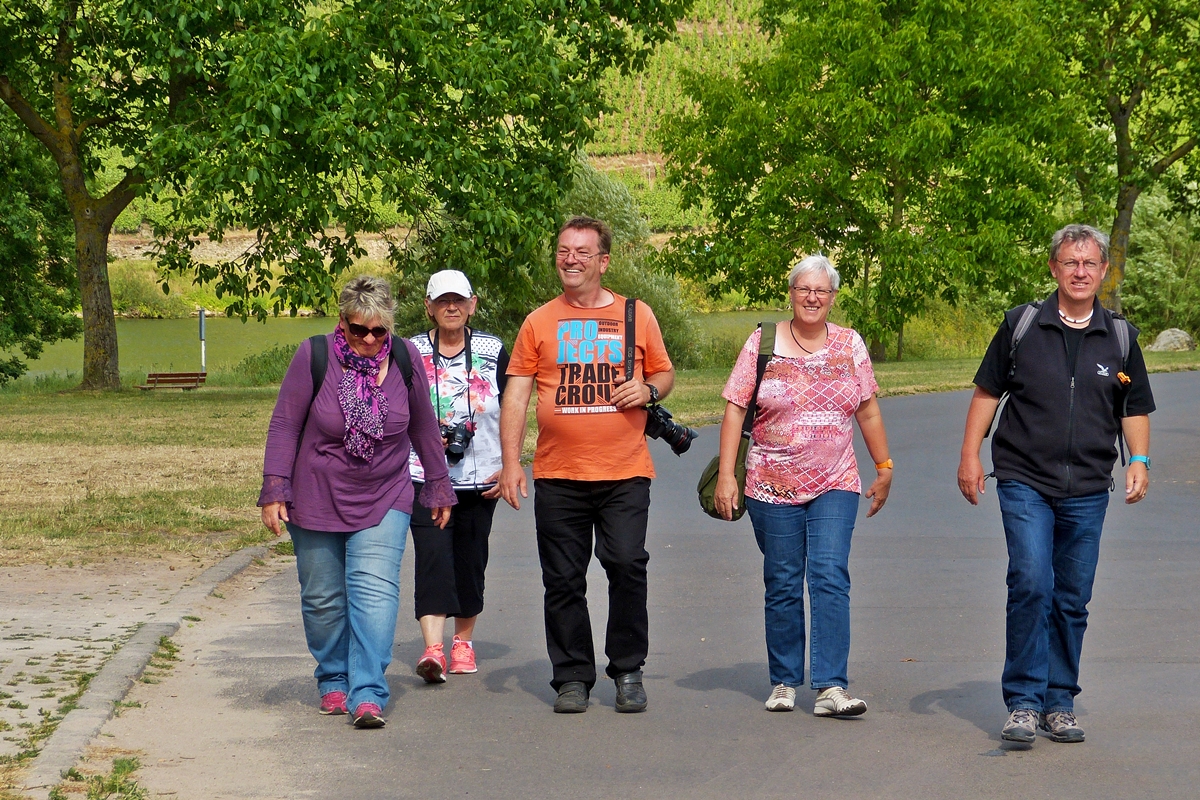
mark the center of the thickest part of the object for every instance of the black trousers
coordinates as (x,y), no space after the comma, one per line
(567,513)
(450,563)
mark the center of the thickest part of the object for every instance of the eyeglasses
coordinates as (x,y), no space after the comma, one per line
(447,300)
(805,291)
(361,331)
(1090,266)
(581,256)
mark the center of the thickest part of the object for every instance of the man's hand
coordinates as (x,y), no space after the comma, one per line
(273,516)
(970,477)
(1137,481)
(512,484)
(631,393)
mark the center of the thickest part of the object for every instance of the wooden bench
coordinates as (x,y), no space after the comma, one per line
(174,380)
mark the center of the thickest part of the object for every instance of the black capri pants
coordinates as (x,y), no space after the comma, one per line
(450,563)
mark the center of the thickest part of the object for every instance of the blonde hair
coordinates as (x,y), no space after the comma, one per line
(369,298)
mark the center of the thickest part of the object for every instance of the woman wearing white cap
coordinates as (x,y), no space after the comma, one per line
(466,370)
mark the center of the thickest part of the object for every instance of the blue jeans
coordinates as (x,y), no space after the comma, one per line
(349,597)
(797,541)
(1053,547)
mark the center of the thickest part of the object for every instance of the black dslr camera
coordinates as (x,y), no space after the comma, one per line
(660,425)
(458,438)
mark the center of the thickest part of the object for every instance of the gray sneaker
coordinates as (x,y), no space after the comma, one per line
(1021,726)
(837,702)
(1062,727)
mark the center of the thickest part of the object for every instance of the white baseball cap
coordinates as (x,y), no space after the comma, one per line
(448,281)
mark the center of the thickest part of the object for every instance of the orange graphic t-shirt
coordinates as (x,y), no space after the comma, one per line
(574,354)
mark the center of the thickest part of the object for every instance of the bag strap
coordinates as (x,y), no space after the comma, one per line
(766,347)
(319,364)
(1023,324)
(630,336)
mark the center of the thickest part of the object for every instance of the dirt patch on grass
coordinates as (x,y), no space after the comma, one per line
(37,476)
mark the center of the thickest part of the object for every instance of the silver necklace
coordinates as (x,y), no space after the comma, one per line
(1074,321)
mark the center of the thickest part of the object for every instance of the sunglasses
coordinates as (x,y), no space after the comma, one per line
(361,331)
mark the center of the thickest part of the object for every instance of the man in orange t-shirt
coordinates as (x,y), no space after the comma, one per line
(592,468)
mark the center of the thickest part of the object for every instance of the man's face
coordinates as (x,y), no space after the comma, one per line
(1078,269)
(579,260)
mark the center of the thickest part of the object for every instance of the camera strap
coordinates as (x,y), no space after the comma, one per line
(437,393)
(630,336)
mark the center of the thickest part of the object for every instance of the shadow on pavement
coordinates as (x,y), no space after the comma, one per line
(532,677)
(748,678)
(977,702)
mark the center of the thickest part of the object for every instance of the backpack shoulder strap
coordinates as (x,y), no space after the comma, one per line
(318,363)
(1121,326)
(401,357)
(1027,317)
(766,347)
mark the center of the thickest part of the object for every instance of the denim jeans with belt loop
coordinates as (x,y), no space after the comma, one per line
(349,597)
(809,540)
(1053,549)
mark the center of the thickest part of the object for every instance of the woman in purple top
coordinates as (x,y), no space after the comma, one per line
(336,473)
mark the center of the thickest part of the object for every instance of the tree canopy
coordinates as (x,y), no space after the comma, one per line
(1135,67)
(38,289)
(302,122)
(915,140)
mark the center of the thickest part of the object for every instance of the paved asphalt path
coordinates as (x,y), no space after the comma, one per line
(238,719)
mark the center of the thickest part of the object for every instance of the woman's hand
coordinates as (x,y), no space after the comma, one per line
(879,491)
(494,492)
(273,516)
(726,495)
(440,516)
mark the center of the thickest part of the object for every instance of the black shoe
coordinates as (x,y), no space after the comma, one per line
(631,695)
(572,698)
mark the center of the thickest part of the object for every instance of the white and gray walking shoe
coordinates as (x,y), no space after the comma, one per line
(836,702)
(1021,726)
(783,698)
(1062,727)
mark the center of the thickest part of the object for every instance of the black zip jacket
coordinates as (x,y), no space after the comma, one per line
(1058,431)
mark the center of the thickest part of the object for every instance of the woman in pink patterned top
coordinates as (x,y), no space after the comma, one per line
(802,484)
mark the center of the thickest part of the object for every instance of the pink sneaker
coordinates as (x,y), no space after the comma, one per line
(462,658)
(334,703)
(368,715)
(432,666)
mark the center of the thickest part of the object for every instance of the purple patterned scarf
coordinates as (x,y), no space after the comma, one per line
(362,401)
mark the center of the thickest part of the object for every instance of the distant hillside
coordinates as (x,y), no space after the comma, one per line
(717,34)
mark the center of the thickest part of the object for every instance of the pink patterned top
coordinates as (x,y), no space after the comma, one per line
(802,442)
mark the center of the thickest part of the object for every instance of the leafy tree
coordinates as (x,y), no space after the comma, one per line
(302,121)
(910,138)
(38,291)
(1136,67)
(1162,286)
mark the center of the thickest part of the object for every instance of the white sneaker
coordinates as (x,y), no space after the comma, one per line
(835,702)
(783,698)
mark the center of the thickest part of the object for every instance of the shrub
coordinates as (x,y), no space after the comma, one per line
(1162,279)
(265,368)
(137,292)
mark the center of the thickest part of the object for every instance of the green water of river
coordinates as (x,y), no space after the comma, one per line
(173,345)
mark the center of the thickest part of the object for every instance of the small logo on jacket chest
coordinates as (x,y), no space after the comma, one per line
(1102,370)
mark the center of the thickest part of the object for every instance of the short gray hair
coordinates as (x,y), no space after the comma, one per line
(371,299)
(811,264)
(1079,233)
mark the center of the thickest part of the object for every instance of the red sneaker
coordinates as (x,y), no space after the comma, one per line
(432,666)
(368,715)
(334,703)
(462,658)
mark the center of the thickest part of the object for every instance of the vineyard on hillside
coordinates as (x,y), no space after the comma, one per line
(715,36)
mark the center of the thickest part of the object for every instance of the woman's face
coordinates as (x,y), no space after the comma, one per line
(812,296)
(450,311)
(373,334)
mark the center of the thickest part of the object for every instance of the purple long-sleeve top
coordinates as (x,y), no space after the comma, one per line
(325,487)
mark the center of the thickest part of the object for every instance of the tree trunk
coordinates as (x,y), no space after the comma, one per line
(1118,248)
(100,366)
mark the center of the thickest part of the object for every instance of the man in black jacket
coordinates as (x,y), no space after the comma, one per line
(1072,390)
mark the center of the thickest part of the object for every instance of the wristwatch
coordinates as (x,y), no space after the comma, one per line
(653,393)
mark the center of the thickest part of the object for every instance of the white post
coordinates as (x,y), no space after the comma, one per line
(202,354)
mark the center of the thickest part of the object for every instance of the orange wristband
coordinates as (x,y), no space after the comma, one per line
(884,464)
